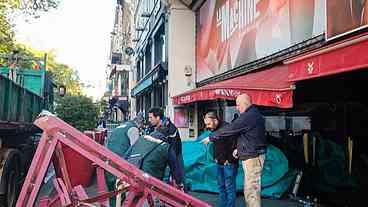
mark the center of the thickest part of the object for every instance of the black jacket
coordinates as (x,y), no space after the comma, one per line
(168,132)
(170,135)
(250,130)
(223,148)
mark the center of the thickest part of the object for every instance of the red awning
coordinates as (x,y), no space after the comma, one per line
(267,88)
(341,57)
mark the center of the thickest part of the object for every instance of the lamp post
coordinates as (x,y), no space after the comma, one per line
(62,90)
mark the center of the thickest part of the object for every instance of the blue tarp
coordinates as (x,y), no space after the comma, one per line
(200,170)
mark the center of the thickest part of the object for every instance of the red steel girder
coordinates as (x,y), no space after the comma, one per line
(142,186)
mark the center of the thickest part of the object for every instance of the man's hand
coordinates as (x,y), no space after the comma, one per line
(235,153)
(206,140)
(152,139)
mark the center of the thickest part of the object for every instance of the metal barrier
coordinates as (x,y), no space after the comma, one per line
(141,187)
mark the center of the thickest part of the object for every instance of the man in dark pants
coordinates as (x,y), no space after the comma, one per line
(227,164)
(120,140)
(172,137)
(249,129)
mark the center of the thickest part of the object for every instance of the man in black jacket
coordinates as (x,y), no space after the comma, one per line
(249,129)
(172,137)
(227,164)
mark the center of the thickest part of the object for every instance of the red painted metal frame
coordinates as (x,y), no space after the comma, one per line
(142,186)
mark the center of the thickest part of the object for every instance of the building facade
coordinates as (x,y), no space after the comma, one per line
(119,64)
(234,40)
(164,58)
(304,64)
(150,70)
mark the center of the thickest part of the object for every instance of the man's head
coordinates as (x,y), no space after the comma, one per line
(211,120)
(139,120)
(155,115)
(243,102)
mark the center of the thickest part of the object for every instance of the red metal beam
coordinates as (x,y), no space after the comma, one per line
(37,171)
(141,185)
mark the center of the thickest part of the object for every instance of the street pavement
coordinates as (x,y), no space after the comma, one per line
(212,198)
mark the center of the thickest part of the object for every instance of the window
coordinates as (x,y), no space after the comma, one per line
(147,102)
(166,94)
(142,68)
(147,58)
(160,46)
(163,46)
(139,74)
(158,96)
(139,104)
(116,58)
(124,83)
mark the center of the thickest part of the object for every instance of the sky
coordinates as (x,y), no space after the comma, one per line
(79,33)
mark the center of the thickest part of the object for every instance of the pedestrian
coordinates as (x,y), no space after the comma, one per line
(119,142)
(227,164)
(249,129)
(125,135)
(101,123)
(172,137)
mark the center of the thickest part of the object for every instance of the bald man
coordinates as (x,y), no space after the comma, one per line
(249,129)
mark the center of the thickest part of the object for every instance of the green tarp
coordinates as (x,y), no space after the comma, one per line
(331,172)
(200,170)
(154,163)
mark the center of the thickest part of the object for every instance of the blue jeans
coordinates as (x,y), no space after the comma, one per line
(226,181)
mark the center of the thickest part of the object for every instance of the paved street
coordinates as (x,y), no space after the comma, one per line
(212,199)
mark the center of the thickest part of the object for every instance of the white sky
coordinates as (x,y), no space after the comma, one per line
(79,32)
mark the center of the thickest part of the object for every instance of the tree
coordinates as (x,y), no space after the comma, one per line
(31,8)
(61,74)
(6,33)
(28,57)
(64,75)
(78,111)
(102,105)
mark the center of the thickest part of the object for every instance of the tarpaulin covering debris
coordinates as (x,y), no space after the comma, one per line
(200,170)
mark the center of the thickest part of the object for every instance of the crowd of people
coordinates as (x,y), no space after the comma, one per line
(241,141)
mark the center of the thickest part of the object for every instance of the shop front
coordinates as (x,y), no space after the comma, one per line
(240,47)
(316,113)
(311,94)
(329,88)
(266,88)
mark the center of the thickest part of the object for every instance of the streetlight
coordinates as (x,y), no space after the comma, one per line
(62,91)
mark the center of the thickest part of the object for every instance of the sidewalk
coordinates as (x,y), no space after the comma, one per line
(211,198)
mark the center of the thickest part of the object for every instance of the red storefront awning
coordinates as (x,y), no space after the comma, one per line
(267,88)
(345,56)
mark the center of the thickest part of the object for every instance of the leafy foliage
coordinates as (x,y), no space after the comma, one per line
(34,7)
(6,33)
(78,111)
(31,8)
(64,75)
(61,74)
